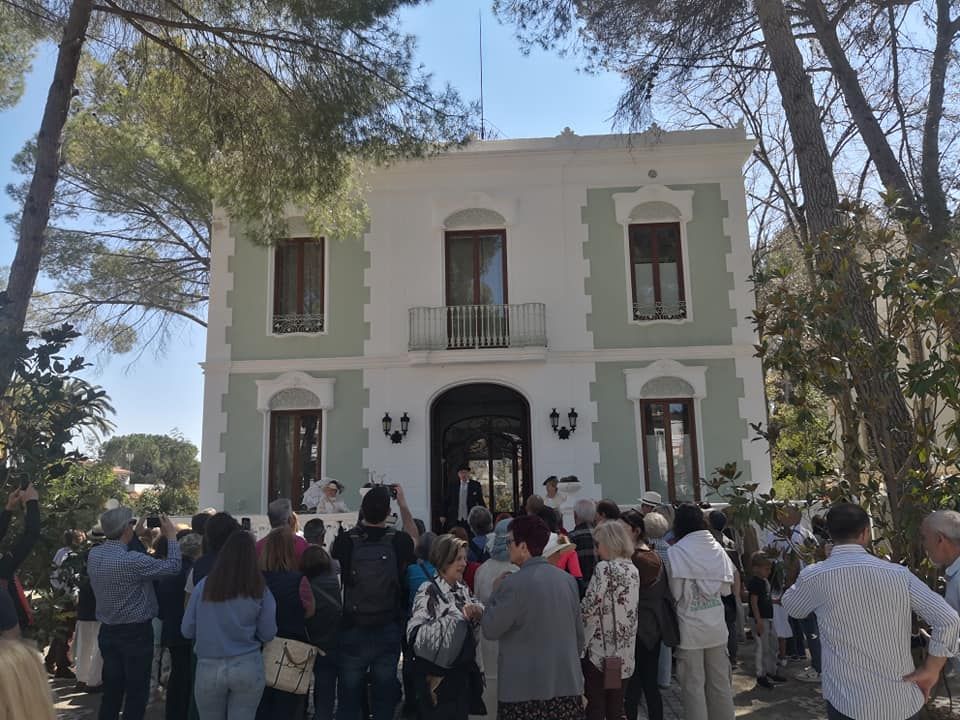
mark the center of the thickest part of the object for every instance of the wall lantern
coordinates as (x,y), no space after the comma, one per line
(396,437)
(563,432)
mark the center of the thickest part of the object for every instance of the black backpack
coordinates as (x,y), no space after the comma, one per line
(371,592)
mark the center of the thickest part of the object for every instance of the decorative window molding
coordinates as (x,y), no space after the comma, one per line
(297,324)
(661,379)
(295,391)
(474,218)
(626,203)
(654,205)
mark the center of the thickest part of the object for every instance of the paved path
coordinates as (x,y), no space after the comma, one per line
(792,701)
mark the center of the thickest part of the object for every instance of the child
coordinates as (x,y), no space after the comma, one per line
(761,610)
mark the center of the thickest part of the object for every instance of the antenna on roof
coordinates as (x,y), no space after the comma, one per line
(482,124)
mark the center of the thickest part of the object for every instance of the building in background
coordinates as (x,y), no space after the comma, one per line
(556,306)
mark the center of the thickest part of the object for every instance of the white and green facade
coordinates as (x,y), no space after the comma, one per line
(494,284)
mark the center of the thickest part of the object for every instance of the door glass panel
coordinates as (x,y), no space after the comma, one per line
(312,278)
(491,270)
(655,442)
(641,250)
(281,455)
(668,250)
(460,270)
(286,279)
(682,451)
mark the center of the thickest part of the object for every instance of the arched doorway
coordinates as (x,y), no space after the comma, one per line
(488,427)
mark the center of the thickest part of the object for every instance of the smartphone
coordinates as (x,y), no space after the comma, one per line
(393,491)
(245,524)
(153,521)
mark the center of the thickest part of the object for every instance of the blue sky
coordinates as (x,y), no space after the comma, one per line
(525,96)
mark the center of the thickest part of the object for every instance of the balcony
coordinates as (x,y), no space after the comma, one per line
(478,327)
(676,310)
(302,323)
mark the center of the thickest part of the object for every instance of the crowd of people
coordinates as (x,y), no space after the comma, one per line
(500,617)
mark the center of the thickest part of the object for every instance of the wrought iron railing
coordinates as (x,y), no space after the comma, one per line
(460,327)
(660,311)
(304,323)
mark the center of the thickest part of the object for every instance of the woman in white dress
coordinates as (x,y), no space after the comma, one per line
(553,499)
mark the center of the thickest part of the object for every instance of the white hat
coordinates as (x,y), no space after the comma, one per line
(555,544)
(651,497)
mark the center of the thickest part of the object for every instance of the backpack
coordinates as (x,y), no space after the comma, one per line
(371,592)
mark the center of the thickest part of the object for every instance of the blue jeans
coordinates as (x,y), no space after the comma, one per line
(229,687)
(127,658)
(376,648)
(665,667)
(834,714)
(811,631)
(324,686)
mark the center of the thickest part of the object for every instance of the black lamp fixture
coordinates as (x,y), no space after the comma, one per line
(396,437)
(563,432)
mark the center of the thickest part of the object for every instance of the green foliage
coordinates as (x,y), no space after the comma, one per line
(203,103)
(45,407)
(72,501)
(170,460)
(16,52)
(806,341)
(168,500)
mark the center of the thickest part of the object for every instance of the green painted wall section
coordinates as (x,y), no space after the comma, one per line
(608,285)
(251,300)
(619,472)
(243,483)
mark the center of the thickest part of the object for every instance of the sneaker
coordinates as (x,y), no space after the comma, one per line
(764,683)
(809,675)
(776,678)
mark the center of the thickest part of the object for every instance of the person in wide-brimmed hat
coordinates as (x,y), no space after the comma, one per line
(553,498)
(650,501)
(330,502)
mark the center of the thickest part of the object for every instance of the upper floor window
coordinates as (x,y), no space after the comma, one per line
(656,272)
(298,288)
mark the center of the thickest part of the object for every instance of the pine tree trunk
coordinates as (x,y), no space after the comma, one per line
(36,208)
(878,394)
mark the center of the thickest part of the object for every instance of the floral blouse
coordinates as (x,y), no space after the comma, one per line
(614,593)
(431,604)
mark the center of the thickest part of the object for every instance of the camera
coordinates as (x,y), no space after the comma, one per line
(153,521)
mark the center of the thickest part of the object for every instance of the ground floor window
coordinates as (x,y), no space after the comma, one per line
(294,453)
(670,448)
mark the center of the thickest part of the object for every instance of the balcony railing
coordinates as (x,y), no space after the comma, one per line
(461,327)
(660,311)
(305,323)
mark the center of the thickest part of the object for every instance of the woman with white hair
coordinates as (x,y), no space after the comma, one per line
(610,621)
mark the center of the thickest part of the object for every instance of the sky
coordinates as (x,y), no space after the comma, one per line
(524,96)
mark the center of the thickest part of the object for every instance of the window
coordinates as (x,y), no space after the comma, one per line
(670,448)
(656,272)
(294,453)
(476,280)
(298,286)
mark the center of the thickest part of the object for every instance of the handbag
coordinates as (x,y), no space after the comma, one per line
(440,641)
(612,664)
(288,665)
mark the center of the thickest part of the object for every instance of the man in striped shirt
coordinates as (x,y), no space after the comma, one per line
(865,607)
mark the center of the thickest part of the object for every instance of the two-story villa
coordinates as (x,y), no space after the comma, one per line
(556,306)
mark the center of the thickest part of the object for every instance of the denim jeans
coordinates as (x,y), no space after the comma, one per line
(834,714)
(665,667)
(127,658)
(376,648)
(324,686)
(229,687)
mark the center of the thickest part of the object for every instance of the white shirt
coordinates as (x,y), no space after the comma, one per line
(700,574)
(864,606)
(555,502)
(464,486)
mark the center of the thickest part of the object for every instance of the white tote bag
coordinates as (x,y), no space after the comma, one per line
(288,665)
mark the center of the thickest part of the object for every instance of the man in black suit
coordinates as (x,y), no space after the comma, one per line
(461,497)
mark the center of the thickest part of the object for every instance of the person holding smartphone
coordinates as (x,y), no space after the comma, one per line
(12,559)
